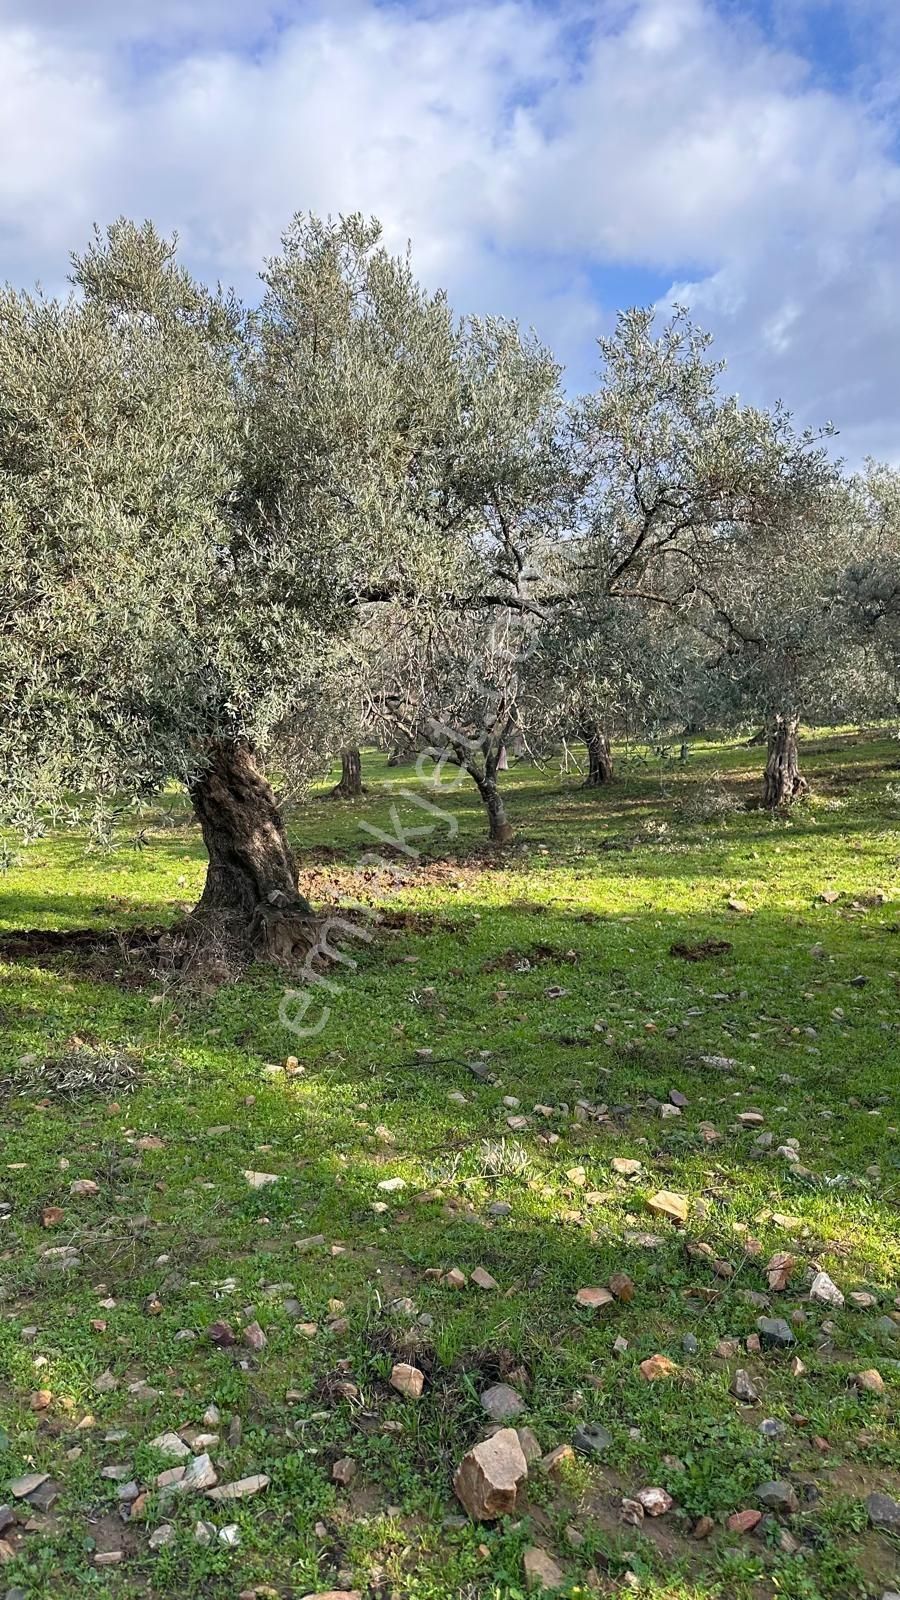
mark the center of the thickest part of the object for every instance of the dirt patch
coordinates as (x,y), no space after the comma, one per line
(523,960)
(706,950)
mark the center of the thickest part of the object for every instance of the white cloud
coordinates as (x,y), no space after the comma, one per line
(677,139)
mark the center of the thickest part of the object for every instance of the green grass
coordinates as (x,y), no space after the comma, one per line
(548,967)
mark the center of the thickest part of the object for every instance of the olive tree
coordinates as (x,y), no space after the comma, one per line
(194,503)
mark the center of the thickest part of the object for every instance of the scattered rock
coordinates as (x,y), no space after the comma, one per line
(655,1502)
(254,1338)
(593,1299)
(778,1495)
(744,1521)
(657,1367)
(21,1488)
(502,1403)
(541,1571)
(884,1512)
(591,1439)
(221,1334)
(668,1204)
(407,1380)
(824,1290)
(702,1528)
(241,1489)
(626,1167)
(531,1445)
(84,1188)
(870,1381)
(170,1444)
(775,1333)
(488,1477)
(455,1279)
(557,1458)
(201,1474)
(343,1471)
(622,1287)
(260,1180)
(162,1536)
(483,1279)
(743,1388)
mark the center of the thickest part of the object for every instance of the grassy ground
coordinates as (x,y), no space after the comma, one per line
(542,973)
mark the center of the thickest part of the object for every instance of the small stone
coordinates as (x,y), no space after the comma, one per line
(591,1439)
(797,1368)
(407,1380)
(241,1489)
(884,1512)
(313,1242)
(488,1477)
(170,1444)
(677,1098)
(870,1381)
(555,1459)
(531,1445)
(483,1279)
(825,1291)
(230,1537)
(204,1534)
(254,1338)
(20,1488)
(455,1279)
(742,1387)
(201,1474)
(668,1204)
(502,1403)
(541,1571)
(744,1521)
(775,1333)
(162,1536)
(260,1180)
(392,1185)
(778,1495)
(887,1328)
(702,1528)
(862,1300)
(622,1287)
(631,1512)
(221,1334)
(657,1367)
(626,1167)
(620,1345)
(593,1299)
(108,1558)
(772,1428)
(343,1471)
(655,1502)
(689,1345)
(84,1188)
(499,1208)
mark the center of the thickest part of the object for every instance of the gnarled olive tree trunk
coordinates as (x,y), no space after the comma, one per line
(783,782)
(351,784)
(600,761)
(250,903)
(498,828)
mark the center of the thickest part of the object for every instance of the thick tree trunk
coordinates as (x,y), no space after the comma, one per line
(600,761)
(351,784)
(250,903)
(782,780)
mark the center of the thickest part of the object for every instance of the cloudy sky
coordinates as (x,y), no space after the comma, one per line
(551,160)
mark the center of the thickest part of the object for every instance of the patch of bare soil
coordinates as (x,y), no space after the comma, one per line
(523,960)
(706,950)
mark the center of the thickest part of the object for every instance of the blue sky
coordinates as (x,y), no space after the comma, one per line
(551,161)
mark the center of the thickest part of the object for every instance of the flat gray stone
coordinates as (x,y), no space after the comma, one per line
(590,1439)
(779,1495)
(502,1403)
(884,1512)
(775,1333)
